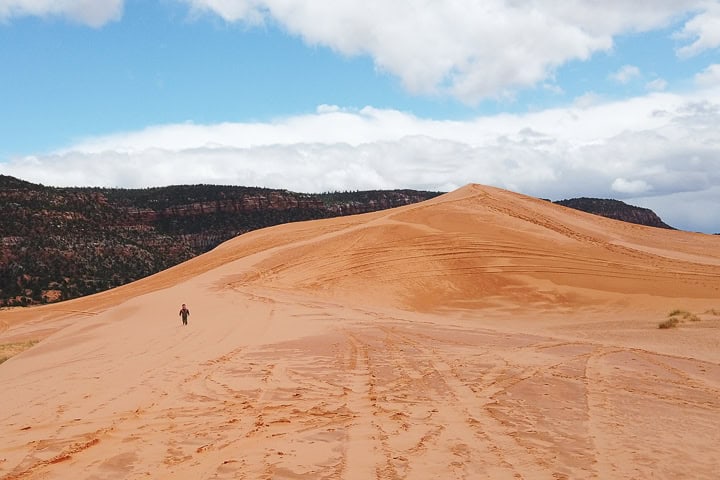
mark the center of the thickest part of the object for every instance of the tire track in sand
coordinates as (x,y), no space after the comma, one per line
(461,420)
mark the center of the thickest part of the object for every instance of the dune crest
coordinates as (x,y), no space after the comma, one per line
(481,247)
(481,334)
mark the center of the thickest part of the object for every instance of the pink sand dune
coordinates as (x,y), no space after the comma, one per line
(482,334)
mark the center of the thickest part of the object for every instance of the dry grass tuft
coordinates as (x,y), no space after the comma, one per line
(671,322)
(687,316)
(678,316)
(8,350)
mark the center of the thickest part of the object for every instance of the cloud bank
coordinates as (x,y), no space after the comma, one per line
(647,149)
(474,50)
(661,150)
(466,49)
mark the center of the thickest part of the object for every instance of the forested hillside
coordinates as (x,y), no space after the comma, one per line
(61,243)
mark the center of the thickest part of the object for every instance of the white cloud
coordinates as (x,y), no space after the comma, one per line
(468,49)
(553,88)
(625,74)
(709,77)
(622,185)
(94,13)
(250,11)
(703,29)
(650,147)
(657,85)
(465,48)
(587,100)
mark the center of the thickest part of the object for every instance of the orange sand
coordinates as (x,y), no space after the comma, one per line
(482,334)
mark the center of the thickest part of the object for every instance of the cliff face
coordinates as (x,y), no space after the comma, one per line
(617,210)
(61,243)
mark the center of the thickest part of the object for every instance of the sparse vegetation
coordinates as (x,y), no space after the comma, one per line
(671,322)
(686,316)
(714,312)
(678,316)
(10,349)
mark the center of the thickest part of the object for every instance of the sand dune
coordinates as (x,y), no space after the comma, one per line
(482,334)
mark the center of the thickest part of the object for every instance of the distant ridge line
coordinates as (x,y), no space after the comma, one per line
(617,210)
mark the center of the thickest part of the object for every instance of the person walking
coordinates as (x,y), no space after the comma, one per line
(184,313)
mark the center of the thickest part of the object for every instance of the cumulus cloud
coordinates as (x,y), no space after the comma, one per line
(654,147)
(94,13)
(587,99)
(622,185)
(472,50)
(625,74)
(657,85)
(709,77)
(467,49)
(703,30)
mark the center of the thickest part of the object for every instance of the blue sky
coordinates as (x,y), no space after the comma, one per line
(549,98)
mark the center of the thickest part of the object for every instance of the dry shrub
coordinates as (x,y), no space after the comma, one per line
(671,322)
(678,316)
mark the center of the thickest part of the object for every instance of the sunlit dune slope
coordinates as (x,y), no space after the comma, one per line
(478,246)
(247,245)
(482,246)
(482,334)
